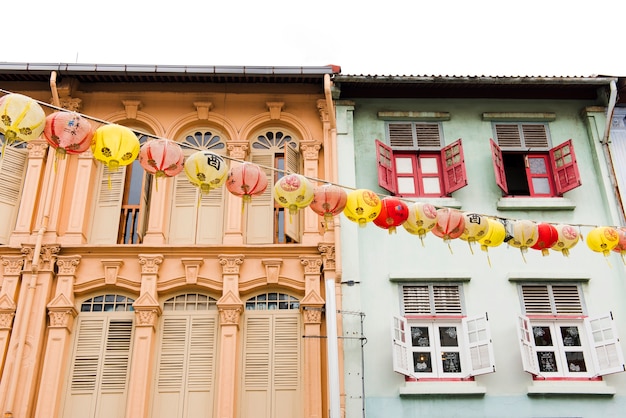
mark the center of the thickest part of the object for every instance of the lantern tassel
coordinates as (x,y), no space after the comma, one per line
(470,247)
(523,256)
(622,255)
(422,240)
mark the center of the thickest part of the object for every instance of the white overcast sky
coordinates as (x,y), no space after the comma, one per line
(388,37)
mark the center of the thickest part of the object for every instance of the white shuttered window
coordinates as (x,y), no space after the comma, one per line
(12,170)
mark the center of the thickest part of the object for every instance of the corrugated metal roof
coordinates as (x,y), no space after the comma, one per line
(112,73)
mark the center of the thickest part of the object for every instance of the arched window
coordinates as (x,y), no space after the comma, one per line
(13,159)
(100,358)
(278,152)
(196,218)
(185,372)
(271,369)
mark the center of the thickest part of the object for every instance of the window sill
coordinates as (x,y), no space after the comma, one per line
(546,387)
(442,388)
(535,203)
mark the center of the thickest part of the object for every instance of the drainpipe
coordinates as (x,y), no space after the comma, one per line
(607,150)
(332,339)
(32,285)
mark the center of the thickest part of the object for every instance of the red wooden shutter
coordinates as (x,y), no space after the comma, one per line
(386,167)
(498,166)
(455,176)
(564,167)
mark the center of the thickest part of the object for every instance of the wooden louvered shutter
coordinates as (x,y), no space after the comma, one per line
(401,346)
(508,135)
(478,336)
(386,167)
(535,136)
(606,348)
(292,222)
(416,300)
(454,176)
(211,217)
(427,135)
(106,219)
(260,211)
(527,345)
(184,215)
(292,159)
(498,166)
(12,170)
(184,384)
(99,372)
(256,367)
(564,167)
(286,366)
(401,135)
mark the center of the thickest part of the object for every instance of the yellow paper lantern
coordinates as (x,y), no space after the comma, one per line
(568,237)
(493,237)
(21,118)
(362,206)
(206,170)
(602,239)
(476,227)
(422,218)
(115,146)
(293,191)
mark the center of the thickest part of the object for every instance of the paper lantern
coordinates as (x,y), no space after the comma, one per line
(493,237)
(547,237)
(161,157)
(602,239)
(68,133)
(476,226)
(115,146)
(621,244)
(524,235)
(568,237)
(362,206)
(206,170)
(293,191)
(328,201)
(21,118)
(421,220)
(393,213)
(246,180)
(450,225)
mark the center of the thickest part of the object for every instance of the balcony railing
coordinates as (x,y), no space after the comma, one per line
(128,232)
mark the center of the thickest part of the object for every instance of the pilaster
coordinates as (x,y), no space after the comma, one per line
(310,152)
(233,227)
(79,208)
(12,269)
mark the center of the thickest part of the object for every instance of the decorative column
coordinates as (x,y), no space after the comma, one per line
(61,312)
(160,202)
(147,311)
(233,226)
(230,308)
(79,209)
(12,270)
(31,193)
(312,305)
(23,362)
(310,151)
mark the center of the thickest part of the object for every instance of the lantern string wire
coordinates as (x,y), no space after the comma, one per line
(282,171)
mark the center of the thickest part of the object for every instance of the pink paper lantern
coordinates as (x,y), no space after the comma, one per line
(450,224)
(68,133)
(161,157)
(246,180)
(328,201)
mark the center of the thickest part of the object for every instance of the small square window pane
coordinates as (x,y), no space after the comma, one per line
(404,165)
(571,336)
(451,362)
(537,166)
(575,361)
(429,165)
(448,337)
(541,185)
(547,361)
(543,336)
(419,337)
(431,185)
(406,185)
(422,363)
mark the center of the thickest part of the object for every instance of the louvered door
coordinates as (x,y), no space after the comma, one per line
(260,210)
(106,219)
(271,366)
(185,373)
(100,365)
(12,169)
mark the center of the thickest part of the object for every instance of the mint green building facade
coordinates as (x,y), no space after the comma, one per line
(445,328)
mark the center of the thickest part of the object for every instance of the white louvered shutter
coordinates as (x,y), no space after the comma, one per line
(256,367)
(401,346)
(183,219)
(478,336)
(260,210)
(292,222)
(211,217)
(12,171)
(106,219)
(527,345)
(606,348)
(99,371)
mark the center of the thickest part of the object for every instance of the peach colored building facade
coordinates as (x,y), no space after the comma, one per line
(122,296)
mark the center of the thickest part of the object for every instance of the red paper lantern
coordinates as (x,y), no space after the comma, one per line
(68,133)
(548,236)
(161,157)
(393,213)
(246,180)
(328,201)
(450,224)
(621,245)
